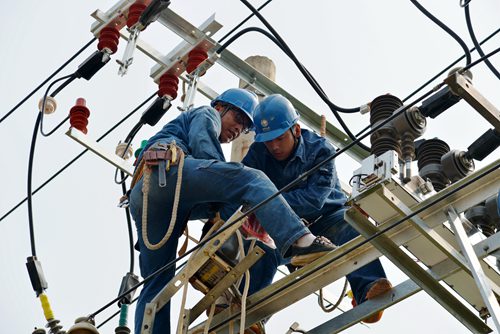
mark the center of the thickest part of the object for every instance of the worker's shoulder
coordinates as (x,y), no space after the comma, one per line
(313,141)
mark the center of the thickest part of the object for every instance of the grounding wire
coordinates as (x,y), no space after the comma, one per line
(301,68)
(365,241)
(449,66)
(445,28)
(69,78)
(264,202)
(48,79)
(243,21)
(476,44)
(79,155)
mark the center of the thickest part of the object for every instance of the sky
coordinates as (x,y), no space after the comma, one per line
(357,50)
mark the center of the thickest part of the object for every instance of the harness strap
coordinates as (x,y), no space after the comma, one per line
(146,173)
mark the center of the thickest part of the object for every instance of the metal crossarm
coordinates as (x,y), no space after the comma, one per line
(423,278)
(475,267)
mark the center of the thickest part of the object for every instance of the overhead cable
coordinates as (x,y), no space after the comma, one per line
(448,67)
(48,79)
(243,22)
(476,44)
(445,28)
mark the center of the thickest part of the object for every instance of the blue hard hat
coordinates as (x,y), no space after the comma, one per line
(243,99)
(273,116)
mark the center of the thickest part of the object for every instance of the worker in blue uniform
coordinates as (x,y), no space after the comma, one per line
(207,181)
(284,151)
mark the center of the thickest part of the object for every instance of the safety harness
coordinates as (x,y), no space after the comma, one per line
(164,156)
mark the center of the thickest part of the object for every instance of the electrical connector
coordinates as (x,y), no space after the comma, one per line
(37,277)
(92,65)
(155,111)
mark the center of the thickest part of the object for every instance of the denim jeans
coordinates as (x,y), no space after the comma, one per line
(339,232)
(204,182)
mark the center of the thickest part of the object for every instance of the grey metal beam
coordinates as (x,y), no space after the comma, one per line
(399,292)
(424,279)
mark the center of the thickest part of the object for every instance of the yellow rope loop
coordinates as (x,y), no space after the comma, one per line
(145,190)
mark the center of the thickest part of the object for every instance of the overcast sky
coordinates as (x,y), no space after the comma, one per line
(357,50)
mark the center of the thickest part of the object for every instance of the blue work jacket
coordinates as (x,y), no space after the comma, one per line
(319,194)
(196,132)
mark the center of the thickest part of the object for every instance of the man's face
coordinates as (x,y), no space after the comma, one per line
(233,124)
(282,147)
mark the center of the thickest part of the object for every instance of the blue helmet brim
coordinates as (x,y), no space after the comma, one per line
(267,136)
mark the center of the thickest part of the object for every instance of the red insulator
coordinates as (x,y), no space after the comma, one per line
(134,13)
(108,39)
(195,58)
(78,115)
(169,84)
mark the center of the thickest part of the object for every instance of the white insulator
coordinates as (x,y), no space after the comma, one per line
(120,150)
(50,105)
(364,109)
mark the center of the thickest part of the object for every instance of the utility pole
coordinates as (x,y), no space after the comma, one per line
(267,67)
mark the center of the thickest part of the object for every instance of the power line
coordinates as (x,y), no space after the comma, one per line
(48,79)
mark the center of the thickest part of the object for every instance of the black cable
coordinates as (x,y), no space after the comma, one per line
(295,60)
(476,44)
(445,28)
(448,67)
(128,140)
(78,156)
(314,84)
(243,21)
(129,227)
(264,202)
(30,174)
(48,79)
(363,242)
(302,69)
(69,78)
(474,63)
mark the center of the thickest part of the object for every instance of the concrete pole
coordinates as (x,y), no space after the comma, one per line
(267,67)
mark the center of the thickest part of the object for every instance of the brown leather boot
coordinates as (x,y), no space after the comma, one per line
(378,288)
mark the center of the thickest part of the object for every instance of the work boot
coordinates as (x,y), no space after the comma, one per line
(305,255)
(377,288)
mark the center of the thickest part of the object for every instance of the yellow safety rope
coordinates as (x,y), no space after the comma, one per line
(145,192)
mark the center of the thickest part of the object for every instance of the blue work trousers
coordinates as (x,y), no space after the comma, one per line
(204,182)
(335,228)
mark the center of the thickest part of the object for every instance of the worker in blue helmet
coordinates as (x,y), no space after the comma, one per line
(161,202)
(284,151)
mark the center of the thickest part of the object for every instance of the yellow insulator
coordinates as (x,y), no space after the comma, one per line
(83,325)
(350,294)
(47,311)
